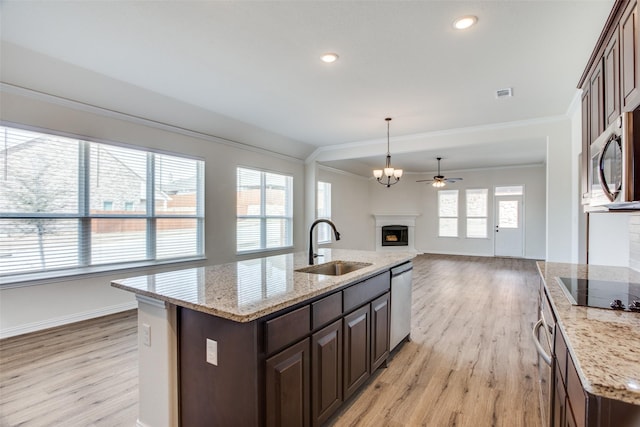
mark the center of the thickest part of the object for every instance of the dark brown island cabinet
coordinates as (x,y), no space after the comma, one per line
(570,404)
(293,368)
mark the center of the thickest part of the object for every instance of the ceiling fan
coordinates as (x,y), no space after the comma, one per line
(440,180)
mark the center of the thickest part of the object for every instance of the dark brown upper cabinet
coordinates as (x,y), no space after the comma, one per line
(596,85)
(585,158)
(629,59)
(612,80)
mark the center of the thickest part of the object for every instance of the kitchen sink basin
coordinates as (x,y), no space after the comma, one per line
(334,268)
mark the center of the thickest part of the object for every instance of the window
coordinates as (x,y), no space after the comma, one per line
(264,210)
(477,213)
(513,190)
(324,211)
(508,205)
(448,213)
(67,204)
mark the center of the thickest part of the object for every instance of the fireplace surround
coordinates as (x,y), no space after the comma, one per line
(407,220)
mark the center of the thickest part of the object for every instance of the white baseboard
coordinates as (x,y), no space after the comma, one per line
(64,320)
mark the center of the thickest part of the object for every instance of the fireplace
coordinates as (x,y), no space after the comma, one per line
(395,235)
(406,240)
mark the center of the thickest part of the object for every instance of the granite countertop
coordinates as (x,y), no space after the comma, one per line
(604,344)
(247,290)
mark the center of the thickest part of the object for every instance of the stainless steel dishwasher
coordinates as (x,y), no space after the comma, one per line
(400,303)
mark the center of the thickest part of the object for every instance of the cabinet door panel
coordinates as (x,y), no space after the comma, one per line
(380,316)
(326,377)
(612,80)
(585,157)
(597,102)
(287,387)
(356,349)
(629,51)
(559,402)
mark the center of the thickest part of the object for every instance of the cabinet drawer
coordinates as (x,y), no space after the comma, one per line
(325,310)
(287,328)
(363,292)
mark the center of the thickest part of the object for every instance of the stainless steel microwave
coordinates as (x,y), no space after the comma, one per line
(614,174)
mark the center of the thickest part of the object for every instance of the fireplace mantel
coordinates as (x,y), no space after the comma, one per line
(407,219)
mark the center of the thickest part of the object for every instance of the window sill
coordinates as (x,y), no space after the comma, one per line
(265,251)
(41,278)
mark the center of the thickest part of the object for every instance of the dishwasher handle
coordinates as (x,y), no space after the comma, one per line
(536,341)
(396,271)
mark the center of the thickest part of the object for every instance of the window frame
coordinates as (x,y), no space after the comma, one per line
(263,216)
(456,217)
(83,215)
(323,230)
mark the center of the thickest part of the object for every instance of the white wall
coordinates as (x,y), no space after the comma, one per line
(555,132)
(411,197)
(579,220)
(609,238)
(350,209)
(28,308)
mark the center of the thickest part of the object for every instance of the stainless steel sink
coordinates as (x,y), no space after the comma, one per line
(334,268)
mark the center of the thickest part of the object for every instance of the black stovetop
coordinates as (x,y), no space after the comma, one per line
(602,293)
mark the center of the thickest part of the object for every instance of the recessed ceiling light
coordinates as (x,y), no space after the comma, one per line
(329,57)
(465,22)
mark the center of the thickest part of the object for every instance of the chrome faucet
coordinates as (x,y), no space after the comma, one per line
(316,222)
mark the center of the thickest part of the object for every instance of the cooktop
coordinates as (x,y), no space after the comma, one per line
(602,293)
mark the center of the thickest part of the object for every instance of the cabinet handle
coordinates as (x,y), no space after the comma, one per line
(541,352)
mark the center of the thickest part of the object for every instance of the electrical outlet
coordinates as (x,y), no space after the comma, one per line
(146,335)
(212,352)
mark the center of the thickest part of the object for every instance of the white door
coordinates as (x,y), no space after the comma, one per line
(509,231)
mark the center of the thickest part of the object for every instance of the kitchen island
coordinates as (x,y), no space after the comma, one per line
(596,354)
(255,342)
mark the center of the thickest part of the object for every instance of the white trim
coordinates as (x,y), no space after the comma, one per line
(341,172)
(439,133)
(456,253)
(576,103)
(64,320)
(81,106)
(141,424)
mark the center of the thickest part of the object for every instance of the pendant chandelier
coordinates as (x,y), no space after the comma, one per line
(388,176)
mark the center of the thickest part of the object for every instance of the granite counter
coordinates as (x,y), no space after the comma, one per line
(247,290)
(604,344)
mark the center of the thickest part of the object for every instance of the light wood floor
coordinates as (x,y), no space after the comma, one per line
(470,361)
(84,374)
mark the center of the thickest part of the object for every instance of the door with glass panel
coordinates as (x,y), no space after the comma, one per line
(509,227)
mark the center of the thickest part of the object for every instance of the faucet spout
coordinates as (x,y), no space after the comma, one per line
(336,234)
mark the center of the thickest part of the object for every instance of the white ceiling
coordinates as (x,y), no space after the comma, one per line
(258,63)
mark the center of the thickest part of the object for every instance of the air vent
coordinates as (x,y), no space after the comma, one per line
(504,93)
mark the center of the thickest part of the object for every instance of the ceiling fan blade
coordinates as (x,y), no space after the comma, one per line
(424,180)
(453,179)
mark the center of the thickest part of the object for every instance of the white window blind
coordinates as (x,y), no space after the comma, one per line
(448,213)
(69,204)
(264,210)
(477,200)
(323,210)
